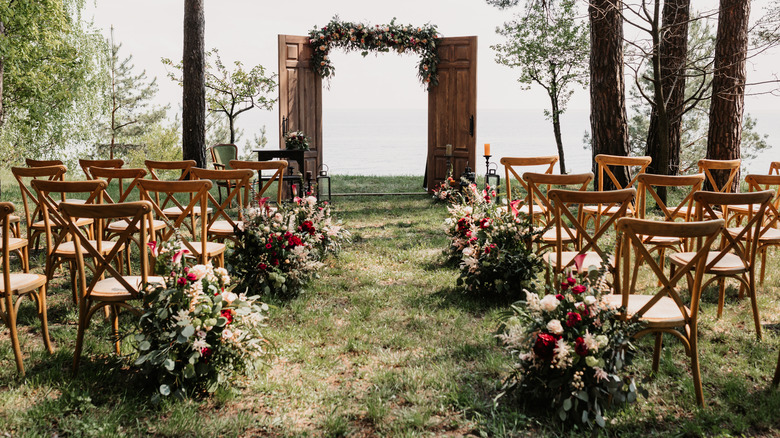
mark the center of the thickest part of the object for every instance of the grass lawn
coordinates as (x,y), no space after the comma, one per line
(384,344)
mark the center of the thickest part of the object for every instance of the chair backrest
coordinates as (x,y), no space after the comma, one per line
(647,184)
(606,163)
(632,231)
(540,184)
(179,170)
(42,163)
(6,208)
(774,168)
(53,194)
(197,191)
(730,242)
(757,183)
(707,167)
(564,201)
(221,154)
(138,217)
(23,176)
(511,172)
(277,166)
(111,174)
(87,165)
(238,182)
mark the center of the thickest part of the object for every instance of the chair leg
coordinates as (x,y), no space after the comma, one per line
(11,319)
(72,266)
(115,329)
(41,301)
(751,288)
(659,339)
(763,263)
(721,295)
(776,380)
(82,327)
(695,369)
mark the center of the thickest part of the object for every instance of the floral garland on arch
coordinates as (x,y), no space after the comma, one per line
(380,38)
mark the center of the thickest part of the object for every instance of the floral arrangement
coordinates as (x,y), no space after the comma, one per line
(196,334)
(296,141)
(447,191)
(493,246)
(571,350)
(363,37)
(279,251)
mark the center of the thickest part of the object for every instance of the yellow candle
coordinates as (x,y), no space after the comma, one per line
(487,148)
(448,150)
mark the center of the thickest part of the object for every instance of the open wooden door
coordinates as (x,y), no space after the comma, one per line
(300,98)
(452,110)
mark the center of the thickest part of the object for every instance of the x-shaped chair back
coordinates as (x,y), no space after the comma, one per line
(121,175)
(774,168)
(197,190)
(539,186)
(564,201)
(511,172)
(277,166)
(237,179)
(757,183)
(647,184)
(24,176)
(87,165)
(160,170)
(707,167)
(606,163)
(42,163)
(665,311)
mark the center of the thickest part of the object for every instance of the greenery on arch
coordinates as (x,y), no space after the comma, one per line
(379,38)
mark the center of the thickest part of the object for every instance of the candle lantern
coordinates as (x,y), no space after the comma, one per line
(323,184)
(493,179)
(467,177)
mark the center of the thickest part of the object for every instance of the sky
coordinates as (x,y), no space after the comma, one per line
(246,30)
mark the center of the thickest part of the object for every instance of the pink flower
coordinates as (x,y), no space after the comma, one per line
(179,254)
(181,281)
(153,247)
(578,260)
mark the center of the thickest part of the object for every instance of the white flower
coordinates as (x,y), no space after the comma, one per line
(227,334)
(549,303)
(562,357)
(200,271)
(468,251)
(229,296)
(182,315)
(311,200)
(555,327)
(533,300)
(200,344)
(600,374)
(278,217)
(591,342)
(590,300)
(603,340)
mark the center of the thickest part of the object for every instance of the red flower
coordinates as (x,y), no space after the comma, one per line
(181,281)
(571,280)
(205,352)
(484,223)
(268,246)
(573,319)
(262,266)
(578,289)
(227,314)
(560,297)
(580,347)
(564,285)
(307,227)
(191,276)
(544,347)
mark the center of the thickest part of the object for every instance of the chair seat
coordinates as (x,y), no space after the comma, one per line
(729,264)
(222,228)
(24,282)
(121,225)
(14,243)
(592,258)
(69,248)
(175,211)
(212,248)
(551,236)
(660,240)
(770,235)
(12,219)
(664,313)
(110,289)
(81,222)
(605,211)
(743,209)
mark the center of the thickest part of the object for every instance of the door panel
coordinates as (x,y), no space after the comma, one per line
(452,109)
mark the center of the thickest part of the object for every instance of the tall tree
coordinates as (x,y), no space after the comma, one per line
(728,84)
(194,84)
(550,48)
(608,120)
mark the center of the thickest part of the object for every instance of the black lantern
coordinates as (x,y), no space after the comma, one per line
(467,175)
(323,184)
(493,179)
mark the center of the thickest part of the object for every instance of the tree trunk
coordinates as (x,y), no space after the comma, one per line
(608,121)
(672,53)
(728,85)
(194,84)
(2,70)
(556,120)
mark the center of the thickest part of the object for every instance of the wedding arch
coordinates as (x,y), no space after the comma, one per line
(447,67)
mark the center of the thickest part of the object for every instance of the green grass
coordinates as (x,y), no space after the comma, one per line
(384,344)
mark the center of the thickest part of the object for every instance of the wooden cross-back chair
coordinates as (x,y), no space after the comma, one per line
(197,191)
(115,226)
(708,167)
(108,287)
(770,231)
(220,224)
(648,184)
(606,165)
(87,165)
(42,163)
(539,186)
(277,166)
(59,246)
(664,311)
(177,170)
(221,155)
(774,168)
(586,241)
(512,167)
(32,210)
(734,258)
(15,286)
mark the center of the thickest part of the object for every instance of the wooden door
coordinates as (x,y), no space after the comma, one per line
(452,110)
(300,98)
